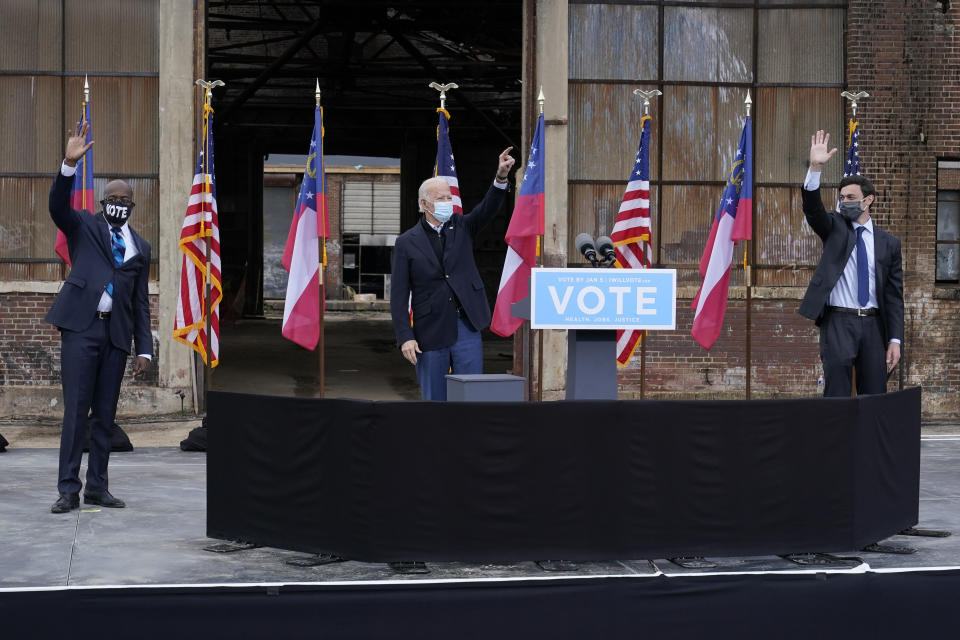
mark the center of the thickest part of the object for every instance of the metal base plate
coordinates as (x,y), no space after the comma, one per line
(230,547)
(693,562)
(314,560)
(409,568)
(898,549)
(557,565)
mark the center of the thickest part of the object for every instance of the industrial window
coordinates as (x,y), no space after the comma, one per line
(948,221)
(704,58)
(46,49)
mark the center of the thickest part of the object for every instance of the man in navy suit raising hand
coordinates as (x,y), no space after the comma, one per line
(102,305)
(436,278)
(856,293)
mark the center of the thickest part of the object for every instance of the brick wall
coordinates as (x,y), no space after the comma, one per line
(30,348)
(906,54)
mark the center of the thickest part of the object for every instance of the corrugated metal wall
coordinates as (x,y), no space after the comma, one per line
(710,56)
(46,47)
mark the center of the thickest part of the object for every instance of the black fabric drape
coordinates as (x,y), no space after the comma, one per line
(500,482)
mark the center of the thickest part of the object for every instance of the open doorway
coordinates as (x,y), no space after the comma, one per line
(373,62)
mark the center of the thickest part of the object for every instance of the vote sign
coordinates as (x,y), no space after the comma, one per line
(603,298)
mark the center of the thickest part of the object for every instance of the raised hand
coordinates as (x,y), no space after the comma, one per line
(505,163)
(819,156)
(77,144)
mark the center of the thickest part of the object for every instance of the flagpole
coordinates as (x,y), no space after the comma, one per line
(541,98)
(646,95)
(323,252)
(84,116)
(747,273)
(853,97)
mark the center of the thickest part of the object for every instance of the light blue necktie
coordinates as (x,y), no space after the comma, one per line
(119,250)
(863,270)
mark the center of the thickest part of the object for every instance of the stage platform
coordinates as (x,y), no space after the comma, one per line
(144,572)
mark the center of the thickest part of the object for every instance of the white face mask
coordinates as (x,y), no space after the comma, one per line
(442,210)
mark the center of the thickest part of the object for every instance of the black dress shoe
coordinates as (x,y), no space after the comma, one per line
(104,499)
(66,502)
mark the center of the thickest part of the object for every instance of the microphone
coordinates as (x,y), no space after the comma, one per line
(605,247)
(584,244)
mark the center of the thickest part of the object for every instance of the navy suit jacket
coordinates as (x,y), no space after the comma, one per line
(89,244)
(433,284)
(839,240)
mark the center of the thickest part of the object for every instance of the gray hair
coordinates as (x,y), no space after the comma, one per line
(422,192)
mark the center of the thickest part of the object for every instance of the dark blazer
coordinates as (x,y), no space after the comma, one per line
(89,244)
(839,240)
(416,269)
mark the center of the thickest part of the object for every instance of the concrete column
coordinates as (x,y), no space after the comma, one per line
(178,44)
(552,72)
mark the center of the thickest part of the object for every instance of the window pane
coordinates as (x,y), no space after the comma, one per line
(605,132)
(593,209)
(948,264)
(688,212)
(613,42)
(125,122)
(28,31)
(113,35)
(948,216)
(701,131)
(783,238)
(786,38)
(786,118)
(30,133)
(708,45)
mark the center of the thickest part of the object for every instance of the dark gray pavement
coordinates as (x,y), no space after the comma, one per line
(159,538)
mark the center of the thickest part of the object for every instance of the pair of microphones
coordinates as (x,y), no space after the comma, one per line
(600,253)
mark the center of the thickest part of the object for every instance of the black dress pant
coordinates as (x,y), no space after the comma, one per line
(91,369)
(848,341)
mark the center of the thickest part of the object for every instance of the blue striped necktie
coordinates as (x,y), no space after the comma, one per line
(119,250)
(863,270)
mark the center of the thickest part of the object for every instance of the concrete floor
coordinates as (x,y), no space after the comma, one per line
(361,360)
(159,538)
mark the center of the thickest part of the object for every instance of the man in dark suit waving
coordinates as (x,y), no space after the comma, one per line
(435,273)
(856,293)
(102,305)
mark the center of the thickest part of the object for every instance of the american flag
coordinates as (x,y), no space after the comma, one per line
(852,165)
(445,167)
(81,194)
(200,228)
(631,233)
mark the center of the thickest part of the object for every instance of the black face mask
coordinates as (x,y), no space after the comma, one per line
(117,212)
(851,210)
